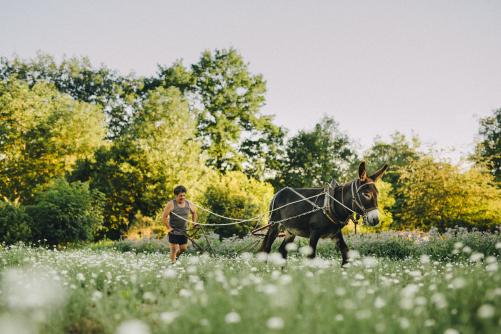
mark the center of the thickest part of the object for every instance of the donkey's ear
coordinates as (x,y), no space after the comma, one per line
(362,174)
(379,174)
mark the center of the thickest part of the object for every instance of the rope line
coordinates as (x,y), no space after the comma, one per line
(237,221)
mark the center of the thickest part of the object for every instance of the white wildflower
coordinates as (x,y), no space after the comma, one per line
(369,262)
(149,297)
(476,257)
(424,259)
(262,256)
(232,318)
(451,331)
(429,323)
(275,323)
(492,267)
(133,327)
(486,311)
(306,250)
(409,290)
(31,288)
(353,254)
(246,256)
(439,300)
(168,317)
(15,325)
(96,296)
(276,259)
(379,302)
(185,293)
(458,283)
(404,323)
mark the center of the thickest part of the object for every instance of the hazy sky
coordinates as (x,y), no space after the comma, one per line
(431,67)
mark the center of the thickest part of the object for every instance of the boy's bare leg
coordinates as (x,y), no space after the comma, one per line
(182,248)
(174,250)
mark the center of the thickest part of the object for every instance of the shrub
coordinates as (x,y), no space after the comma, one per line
(438,195)
(14,223)
(65,212)
(235,195)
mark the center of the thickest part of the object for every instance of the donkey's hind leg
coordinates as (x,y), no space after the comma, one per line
(270,237)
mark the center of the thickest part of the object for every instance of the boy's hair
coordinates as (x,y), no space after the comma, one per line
(179,189)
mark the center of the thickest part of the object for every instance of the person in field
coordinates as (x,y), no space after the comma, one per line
(175,218)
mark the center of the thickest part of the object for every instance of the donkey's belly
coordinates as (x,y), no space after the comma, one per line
(302,231)
(298,232)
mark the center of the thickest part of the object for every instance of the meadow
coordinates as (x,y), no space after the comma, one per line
(395,283)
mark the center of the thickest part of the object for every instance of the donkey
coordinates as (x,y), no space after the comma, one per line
(316,213)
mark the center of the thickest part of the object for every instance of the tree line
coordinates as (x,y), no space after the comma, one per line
(99,152)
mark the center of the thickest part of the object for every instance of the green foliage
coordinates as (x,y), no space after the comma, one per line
(64,213)
(437,194)
(41,136)
(457,244)
(138,172)
(397,153)
(232,131)
(315,157)
(237,196)
(14,223)
(176,75)
(118,95)
(386,201)
(488,150)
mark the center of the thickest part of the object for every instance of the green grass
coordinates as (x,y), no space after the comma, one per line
(393,245)
(98,290)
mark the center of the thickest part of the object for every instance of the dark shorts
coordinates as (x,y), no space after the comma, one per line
(178,239)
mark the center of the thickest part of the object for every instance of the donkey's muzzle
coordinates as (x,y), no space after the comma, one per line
(372,217)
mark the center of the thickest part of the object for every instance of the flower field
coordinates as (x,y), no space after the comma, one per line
(111,291)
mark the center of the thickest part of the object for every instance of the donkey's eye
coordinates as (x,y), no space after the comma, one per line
(367,196)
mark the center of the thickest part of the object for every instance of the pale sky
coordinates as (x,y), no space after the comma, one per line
(430,67)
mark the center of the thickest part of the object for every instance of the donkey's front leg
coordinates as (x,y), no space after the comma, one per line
(314,237)
(343,248)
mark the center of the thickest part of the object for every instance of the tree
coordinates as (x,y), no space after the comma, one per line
(437,194)
(119,96)
(315,157)
(176,75)
(42,134)
(488,149)
(397,153)
(233,133)
(138,172)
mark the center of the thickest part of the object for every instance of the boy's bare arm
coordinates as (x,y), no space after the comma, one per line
(165,216)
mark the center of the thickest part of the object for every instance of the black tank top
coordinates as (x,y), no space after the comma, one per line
(179,226)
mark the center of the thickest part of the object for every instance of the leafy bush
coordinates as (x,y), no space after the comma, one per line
(134,246)
(14,223)
(65,212)
(238,196)
(439,195)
